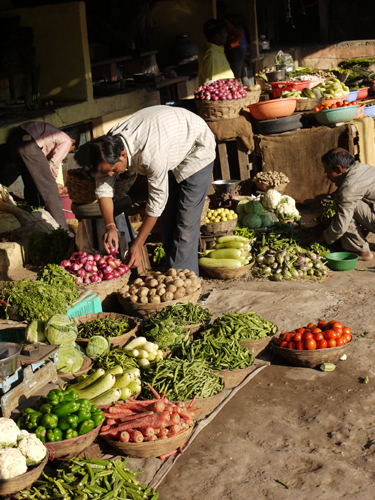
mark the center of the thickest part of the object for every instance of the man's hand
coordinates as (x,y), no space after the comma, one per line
(62,189)
(110,238)
(134,256)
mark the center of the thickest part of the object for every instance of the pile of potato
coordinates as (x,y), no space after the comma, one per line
(173,285)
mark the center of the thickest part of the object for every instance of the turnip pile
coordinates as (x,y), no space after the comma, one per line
(221,90)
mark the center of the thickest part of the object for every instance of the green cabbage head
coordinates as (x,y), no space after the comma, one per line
(266,220)
(252,221)
(60,330)
(253,207)
(34,332)
(69,360)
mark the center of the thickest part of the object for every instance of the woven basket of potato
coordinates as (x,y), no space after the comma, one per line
(149,295)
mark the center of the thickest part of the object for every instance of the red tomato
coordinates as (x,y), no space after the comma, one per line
(337,324)
(318,336)
(297,337)
(331,343)
(279,340)
(345,105)
(300,346)
(333,106)
(316,330)
(345,101)
(330,334)
(307,335)
(323,104)
(310,344)
(322,344)
(321,324)
(301,330)
(310,326)
(284,344)
(346,330)
(339,104)
(291,345)
(340,341)
(354,103)
(349,337)
(316,110)
(330,324)
(288,337)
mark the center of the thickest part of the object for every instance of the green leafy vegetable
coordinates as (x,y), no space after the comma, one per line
(159,254)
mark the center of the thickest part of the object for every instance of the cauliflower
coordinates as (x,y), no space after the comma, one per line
(271,199)
(12,463)
(9,432)
(288,199)
(32,447)
(287,209)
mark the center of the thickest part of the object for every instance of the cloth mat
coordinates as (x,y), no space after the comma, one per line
(225,130)
(366,138)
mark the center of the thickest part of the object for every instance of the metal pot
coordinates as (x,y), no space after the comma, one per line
(276,76)
(225,186)
(9,358)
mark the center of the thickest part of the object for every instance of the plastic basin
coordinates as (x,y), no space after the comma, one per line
(363,93)
(341,261)
(338,115)
(275,108)
(370,111)
(353,95)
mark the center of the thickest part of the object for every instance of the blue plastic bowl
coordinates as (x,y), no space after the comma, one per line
(370,111)
(352,95)
(337,115)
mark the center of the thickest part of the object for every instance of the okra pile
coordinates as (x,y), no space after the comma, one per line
(242,326)
(84,478)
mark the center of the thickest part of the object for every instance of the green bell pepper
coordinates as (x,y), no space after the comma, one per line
(32,420)
(70,434)
(85,427)
(65,408)
(84,404)
(97,417)
(68,422)
(41,433)
(54,435)
(41,401)
(83,415)
(20,423)
(28,410)
(55,397)
(71,395)
(50,421)
(46,409)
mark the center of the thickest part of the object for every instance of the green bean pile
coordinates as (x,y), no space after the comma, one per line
(116,357)
(106,327)
(181,315)
(83,479)
(218,352)
(181,380)
(327,213)
(242,326)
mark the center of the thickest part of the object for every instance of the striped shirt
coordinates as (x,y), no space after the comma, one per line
(157,140)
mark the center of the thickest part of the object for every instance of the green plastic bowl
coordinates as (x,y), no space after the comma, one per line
(337,115)
(341,261)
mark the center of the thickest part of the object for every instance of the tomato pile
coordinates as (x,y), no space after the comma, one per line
(339,104)
(321,336)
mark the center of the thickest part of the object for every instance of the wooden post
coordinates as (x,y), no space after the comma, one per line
(214,12)
(323,20)
(252,26)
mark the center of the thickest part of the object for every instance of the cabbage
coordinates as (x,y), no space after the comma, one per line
(60,330)
(265,220)
(252,221)
(241,206)
(34,332)
(253,207)
(69,359)
(97,346)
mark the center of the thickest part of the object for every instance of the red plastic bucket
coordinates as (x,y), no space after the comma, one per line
(67,202)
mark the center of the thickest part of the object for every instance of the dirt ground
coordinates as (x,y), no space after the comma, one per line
(313,431)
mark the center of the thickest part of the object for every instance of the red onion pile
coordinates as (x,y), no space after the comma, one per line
(221,90)
(94,268)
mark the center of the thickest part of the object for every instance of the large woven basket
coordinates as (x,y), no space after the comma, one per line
(217,110)
(226,273)
(205,211)
(115,341)
(312,359)
(145,310)
(233,378)
(106,289)
(206,405)
(70,448)
(16,484)
(308,104)
(257,346)
(266,187)
(219,227)
(83,190)
(150,449)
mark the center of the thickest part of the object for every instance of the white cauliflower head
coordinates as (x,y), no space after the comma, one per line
(287,209)
(32,448)
(12,463)
(9,432)
(271,199)
(288,199)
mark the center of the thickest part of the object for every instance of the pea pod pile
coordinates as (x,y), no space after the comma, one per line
(61,415)
(106,327)
(84,478)
(181,380)
(242,326)
(327,213)
(116,357)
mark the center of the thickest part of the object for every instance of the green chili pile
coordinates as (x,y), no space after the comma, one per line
(181,380)
(181,314)
(106,327)
(84,478)
(242,326)
(116,357)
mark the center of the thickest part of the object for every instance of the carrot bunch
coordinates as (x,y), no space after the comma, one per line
(141,421)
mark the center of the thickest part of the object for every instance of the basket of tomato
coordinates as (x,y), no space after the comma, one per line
(314,344)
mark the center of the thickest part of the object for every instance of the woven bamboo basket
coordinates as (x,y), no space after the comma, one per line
(206,405)
(219,227)
(83,190)
(308,104)
(106,289)
(225,273)
(233,378)
(70,448)
(218,110)
(150,449)
(16,484)
(257,345)
(205,211)
(145,310)
(312,359)
(192,328)
(265,187)
(119,341)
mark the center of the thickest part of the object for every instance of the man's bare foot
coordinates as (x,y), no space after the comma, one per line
(365,256)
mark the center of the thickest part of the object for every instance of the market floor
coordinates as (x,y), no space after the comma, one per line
(291,433)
